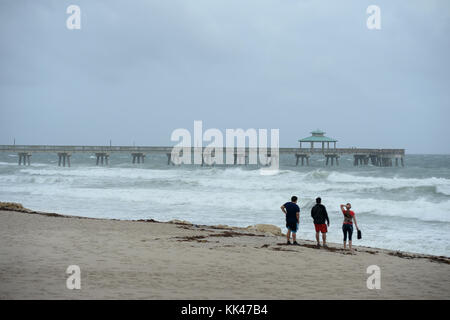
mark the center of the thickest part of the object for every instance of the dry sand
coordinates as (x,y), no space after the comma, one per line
(151,260)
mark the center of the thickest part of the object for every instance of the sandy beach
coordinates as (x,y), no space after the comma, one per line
(154,260)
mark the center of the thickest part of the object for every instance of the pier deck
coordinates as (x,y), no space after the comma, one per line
(362,156)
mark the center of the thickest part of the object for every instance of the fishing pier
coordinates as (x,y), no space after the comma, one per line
(302,155)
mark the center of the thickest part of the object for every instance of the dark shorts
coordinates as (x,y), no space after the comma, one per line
(292,228)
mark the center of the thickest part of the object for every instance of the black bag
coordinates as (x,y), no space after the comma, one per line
(359,234)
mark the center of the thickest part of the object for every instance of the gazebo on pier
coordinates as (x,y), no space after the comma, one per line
(318,136)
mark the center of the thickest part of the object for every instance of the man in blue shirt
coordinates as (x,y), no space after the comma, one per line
(292,212)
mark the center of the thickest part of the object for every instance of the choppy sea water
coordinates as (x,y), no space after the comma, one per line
(397,208)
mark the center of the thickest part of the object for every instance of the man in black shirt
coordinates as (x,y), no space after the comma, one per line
(292,212)
(320,216)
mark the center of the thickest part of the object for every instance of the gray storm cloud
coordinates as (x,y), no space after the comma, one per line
(137,70)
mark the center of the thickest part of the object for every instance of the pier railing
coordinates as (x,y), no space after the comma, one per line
(166,149)
(362,151)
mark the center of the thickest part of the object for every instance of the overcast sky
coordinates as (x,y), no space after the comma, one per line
(137,70)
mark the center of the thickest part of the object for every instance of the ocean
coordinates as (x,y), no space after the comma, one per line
(397,208)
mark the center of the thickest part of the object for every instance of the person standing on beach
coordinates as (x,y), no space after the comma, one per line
(292,212)
(347,227)
(320,216)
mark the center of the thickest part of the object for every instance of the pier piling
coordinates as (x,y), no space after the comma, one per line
(330,158)
(102,158)
(363,159)
(169,158)
(209,157)
(62,157)
(304,158)
(138,157)
(25,158)
(240,158)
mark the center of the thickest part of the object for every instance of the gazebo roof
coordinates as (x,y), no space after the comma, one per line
(317,136)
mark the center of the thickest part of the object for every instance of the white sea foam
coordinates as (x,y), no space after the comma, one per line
(444,189)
